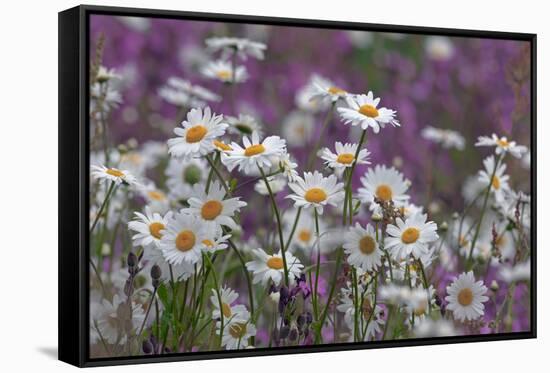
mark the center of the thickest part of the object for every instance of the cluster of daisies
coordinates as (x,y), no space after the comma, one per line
(335,262)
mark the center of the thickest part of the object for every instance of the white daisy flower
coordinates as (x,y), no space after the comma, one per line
(516,273)
(103,97)
(276,183)
(363,111)
(410,209)
(243,47)
(305,235)
(183,93)
(502,145)
(215,241)
(362,249)
(254,153)
(182,240)
(428,328)
(267,267)
(370,318)
(499,182)
(113,174)
(412,236)
(360,39)
(419,303)
(288,167)
(114,319)
(345,156)
(105,74)
(149,227)
(156,199)
(182,174)
(466,297)
(304,102)
(297,128)
(324,89)
(439,48)
(236,333)
(196,137)
(447,138)
(223,71)
(385,184)
(228,308)
(211,208)
(244,125)
(317,191)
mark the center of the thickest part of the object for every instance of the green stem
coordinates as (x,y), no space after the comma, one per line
(318,337)
(350,176)
(485,200)
(216,285)
(320,137)
(107,197)
(279,225)
(294,226)
(318,266)
(218,174)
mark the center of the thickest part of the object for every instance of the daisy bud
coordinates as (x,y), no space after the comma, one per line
(443,227)
(309,318)
(147,347)
(156,272)
(132,260)
(122,148)
(285,331)
(105,249)
(494,286)
(293,335)
(376,217)
(132,143)
(455,215)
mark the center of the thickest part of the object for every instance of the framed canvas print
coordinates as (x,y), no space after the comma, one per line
(234,186)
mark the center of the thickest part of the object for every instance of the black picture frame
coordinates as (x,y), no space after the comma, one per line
(74,181)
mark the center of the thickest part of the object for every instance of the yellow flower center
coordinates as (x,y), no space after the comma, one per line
(254,150)
(226,310)
(304,235)
(224,74)
(345,158)
(211,210)
(155,228)
(208,242)
(237,330)
(156,195)
(114,172)
(367,309)
(384,192)
(410,235)
(275,262)
(336,91)
(369,111)
(315,195)
(222,146)
(500,241)
(185,240)
(495,182)
(195,133)
(367,245)
(465,297)
(503,143)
